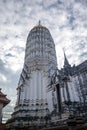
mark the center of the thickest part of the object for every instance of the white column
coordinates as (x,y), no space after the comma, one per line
(30,89)
(35,86)
(39,84)
(25,95)
(1,106)
(42,85)
(45,87)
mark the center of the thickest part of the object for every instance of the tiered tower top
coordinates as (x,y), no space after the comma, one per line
(40,47)
(39,26)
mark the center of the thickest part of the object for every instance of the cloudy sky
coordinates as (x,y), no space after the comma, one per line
(67,22)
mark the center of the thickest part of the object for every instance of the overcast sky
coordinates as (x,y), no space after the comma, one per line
(66,20)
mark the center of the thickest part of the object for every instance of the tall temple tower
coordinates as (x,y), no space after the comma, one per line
(34,101)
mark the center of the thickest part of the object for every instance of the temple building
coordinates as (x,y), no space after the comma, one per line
(78,78)
(33,100)
(46,96)
(3,102)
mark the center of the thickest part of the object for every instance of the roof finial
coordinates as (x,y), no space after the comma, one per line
(64,52)
(66,62)
(39,23)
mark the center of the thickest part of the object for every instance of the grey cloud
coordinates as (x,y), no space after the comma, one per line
(2,68)
(83,2)
(4,37)
(9,55)
(5,71)
(84,54)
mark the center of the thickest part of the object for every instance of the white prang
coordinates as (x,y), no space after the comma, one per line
(40,58)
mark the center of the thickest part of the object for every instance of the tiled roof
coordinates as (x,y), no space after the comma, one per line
(3,99)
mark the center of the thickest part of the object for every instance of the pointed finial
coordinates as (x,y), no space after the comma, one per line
(64,54)
(64,51)
(66,62)
(39,23)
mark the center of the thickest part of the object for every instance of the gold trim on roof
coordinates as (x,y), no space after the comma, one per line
(39,26)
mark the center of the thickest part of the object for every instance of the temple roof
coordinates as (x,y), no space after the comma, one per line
(39,25)
(3,99)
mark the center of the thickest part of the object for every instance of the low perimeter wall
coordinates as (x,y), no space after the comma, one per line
(2,126)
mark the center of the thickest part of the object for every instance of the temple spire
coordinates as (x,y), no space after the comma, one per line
(66,62)
(39,23)
(67,66)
